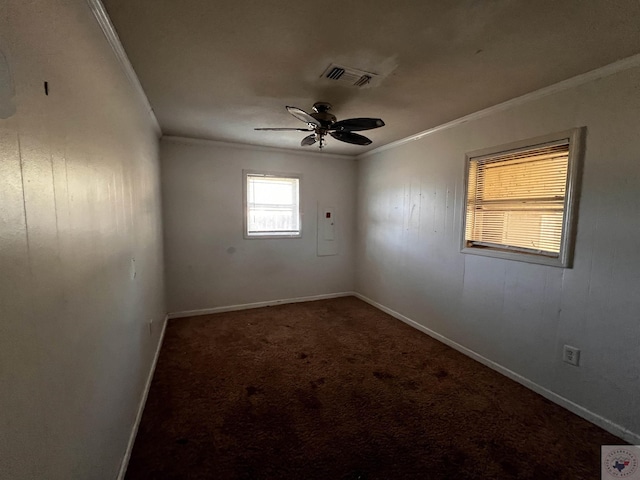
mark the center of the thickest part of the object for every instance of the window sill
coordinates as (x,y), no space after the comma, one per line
(517,256)
(271,236)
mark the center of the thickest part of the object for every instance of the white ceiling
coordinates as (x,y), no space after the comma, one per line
(216,69)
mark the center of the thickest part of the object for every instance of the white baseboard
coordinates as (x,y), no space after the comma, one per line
(588,415)
(594,418)
(143,401)
(268,303)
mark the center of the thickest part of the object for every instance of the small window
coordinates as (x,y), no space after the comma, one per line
(520,200)
(272,205)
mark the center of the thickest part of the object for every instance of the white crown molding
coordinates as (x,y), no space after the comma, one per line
(602,72)
(99,12)
(247,146)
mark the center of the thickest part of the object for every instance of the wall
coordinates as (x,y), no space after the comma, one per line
(208,262)
(79,199)
(519,315)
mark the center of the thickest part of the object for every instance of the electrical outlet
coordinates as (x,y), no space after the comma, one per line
(571,355)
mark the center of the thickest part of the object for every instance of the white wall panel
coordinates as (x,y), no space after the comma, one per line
(79,197)
(519,315)
(210,264)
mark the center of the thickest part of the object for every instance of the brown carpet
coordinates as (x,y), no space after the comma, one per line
(336,389)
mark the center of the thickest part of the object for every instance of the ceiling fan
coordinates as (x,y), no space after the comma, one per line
(321,123)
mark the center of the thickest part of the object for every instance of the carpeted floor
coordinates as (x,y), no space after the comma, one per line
(336,389)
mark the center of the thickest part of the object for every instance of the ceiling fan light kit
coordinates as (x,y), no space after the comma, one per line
(321,123)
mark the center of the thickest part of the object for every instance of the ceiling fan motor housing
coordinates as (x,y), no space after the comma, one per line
(321,113)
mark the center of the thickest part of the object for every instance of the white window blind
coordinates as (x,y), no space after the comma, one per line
(272,207)
(516,200)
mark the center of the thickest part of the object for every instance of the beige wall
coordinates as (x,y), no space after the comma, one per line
(81,263)
(79,199)
(208,262)
(516,314)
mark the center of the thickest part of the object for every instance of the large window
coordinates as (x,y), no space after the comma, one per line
(272,204)
(520,200)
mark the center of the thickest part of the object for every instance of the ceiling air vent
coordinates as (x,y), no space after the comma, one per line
(335,73)
(349,76)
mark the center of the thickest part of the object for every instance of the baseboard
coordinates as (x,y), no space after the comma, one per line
(588,415)
(143,401)
(247,306)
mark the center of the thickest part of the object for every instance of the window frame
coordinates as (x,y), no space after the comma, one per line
(564,259)
(245,203)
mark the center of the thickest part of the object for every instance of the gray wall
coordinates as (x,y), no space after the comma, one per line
(208,262)
(79,199)
(519,315)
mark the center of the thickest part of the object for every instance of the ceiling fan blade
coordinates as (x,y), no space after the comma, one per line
(351,138)
(303,116)
(287,129)
(308,140)
(357,124)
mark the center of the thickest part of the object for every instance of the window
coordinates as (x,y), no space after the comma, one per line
(520,199)
(272,205)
